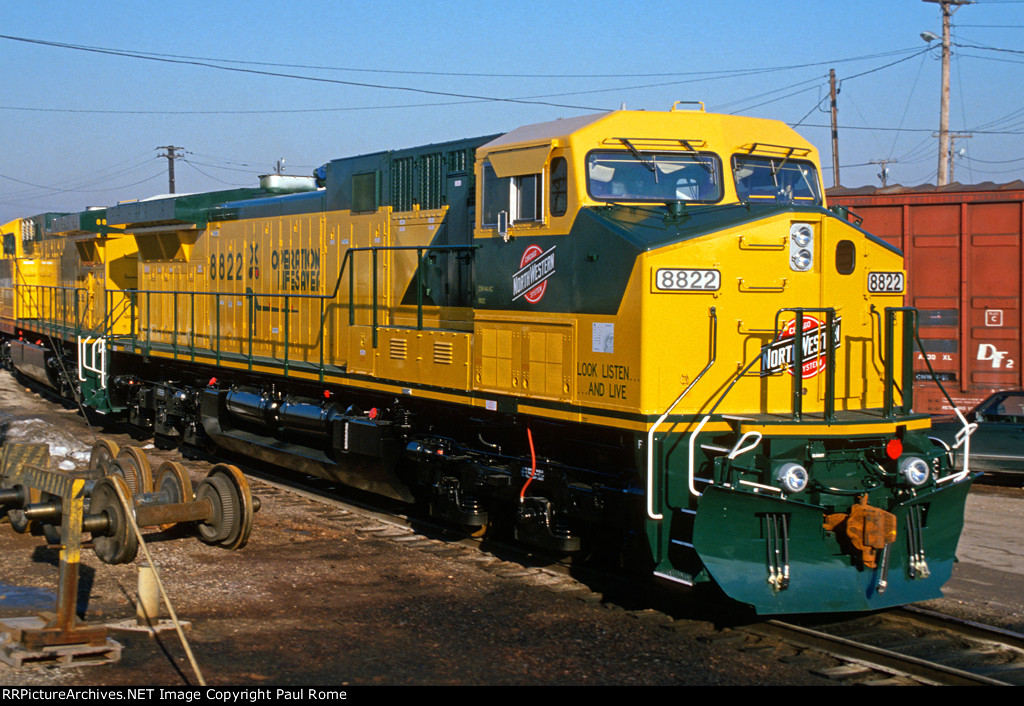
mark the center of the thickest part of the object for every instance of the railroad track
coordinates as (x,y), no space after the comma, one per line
(908,645)
(898,647)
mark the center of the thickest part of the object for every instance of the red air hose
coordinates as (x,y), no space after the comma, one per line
(533,465)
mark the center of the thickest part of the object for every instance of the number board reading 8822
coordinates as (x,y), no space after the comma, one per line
(885,282)
(670,279)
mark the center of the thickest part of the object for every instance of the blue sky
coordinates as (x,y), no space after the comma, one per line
(82,128)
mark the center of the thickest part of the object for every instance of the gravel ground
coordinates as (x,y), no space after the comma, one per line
(986,582)
(322,597)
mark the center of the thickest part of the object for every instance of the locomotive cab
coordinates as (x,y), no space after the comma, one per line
(692,250)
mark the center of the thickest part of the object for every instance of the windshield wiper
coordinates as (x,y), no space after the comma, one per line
(649,163)
(697,159)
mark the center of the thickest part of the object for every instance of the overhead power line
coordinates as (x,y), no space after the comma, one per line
(416,72)
(299,77)
(210,176)
(529,100)
(918,129)
(54,190)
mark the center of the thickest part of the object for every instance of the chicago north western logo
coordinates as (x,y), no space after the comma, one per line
(530,282)
(778,355)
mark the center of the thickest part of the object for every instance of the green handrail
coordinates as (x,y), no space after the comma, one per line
(348,263)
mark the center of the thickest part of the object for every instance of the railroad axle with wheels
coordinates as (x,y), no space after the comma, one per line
(222,506)
(221,509)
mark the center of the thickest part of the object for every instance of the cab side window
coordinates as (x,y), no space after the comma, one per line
(519,196)
(496,194)
(528,198)
(559,198)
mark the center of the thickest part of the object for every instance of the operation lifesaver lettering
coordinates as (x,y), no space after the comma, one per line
(296,269)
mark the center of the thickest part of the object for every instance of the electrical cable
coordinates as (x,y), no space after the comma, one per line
(314,79)
(210,176)
(187,58)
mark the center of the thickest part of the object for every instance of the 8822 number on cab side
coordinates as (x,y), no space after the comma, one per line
(672,279)
(886,282)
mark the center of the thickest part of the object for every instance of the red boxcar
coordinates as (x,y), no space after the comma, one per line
(964,264)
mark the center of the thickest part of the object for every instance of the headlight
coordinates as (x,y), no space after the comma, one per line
(792,476)
(914,470)
(802,260)
(802,234)
(801,247)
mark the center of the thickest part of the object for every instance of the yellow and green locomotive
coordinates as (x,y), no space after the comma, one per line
(632,334)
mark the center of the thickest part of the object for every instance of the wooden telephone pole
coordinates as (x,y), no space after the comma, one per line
(835,127)
(172,154)
(948,8)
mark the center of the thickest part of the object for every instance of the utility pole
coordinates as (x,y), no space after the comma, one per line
(948,8)
(884,174)
(835,127)
(953,136)
(171,156)
(952,151)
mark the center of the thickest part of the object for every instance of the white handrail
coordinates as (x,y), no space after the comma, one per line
(81,358)
(693,441)
(740,449)
(99,352)
(963,438)
(650,453)
(101,346)
(761,486)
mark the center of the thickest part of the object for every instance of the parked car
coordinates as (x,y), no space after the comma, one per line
(997,445)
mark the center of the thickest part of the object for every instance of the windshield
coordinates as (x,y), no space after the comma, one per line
(775,179)
(653,176)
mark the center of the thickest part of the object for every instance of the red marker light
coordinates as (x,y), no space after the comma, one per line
(372,414)
(894,449)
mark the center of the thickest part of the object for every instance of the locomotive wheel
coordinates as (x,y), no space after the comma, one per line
(477,531)
(103,454)
(132,464)
(173,481)
(118,543)
(228,493)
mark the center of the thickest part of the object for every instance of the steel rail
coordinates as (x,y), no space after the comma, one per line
(967,628)
(878,658)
